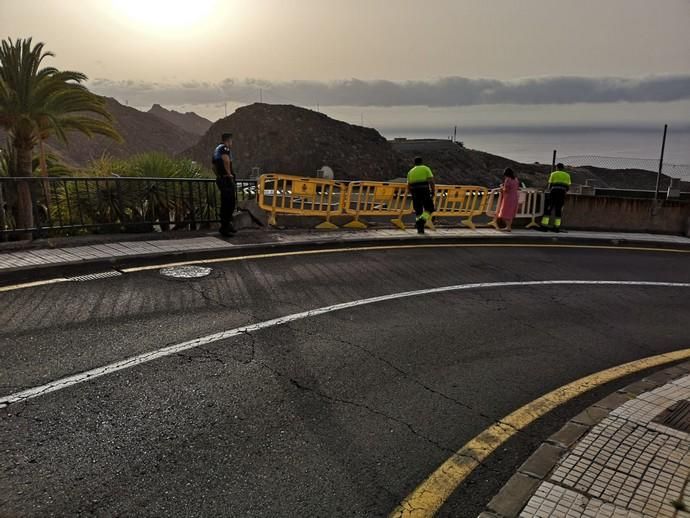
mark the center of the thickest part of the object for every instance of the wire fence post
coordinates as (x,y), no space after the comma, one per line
(661,167)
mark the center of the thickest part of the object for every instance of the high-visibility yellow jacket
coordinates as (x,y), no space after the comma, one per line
(560,179)
(419,174)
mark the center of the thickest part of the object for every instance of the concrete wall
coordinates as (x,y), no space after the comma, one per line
(601,213)
(626,215)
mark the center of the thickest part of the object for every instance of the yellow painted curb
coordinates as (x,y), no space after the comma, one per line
(430,495)
(396,247)
(353,249)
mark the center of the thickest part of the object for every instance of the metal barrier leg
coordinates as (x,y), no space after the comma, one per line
(493,223)
(272,220)
(327,225)
(356,224)
(398,222)
(469,223)
(532,223)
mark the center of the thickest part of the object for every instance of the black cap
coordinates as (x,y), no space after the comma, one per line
(226,136)
(418,160)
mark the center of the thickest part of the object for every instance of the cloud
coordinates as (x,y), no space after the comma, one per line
(445,92)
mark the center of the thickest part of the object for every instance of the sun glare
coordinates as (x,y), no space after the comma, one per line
(165,14)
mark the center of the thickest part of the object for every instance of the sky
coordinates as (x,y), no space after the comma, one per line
(388,63)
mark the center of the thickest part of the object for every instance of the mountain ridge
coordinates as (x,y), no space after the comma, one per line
(189,121)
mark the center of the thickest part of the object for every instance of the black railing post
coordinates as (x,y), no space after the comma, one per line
(191,207)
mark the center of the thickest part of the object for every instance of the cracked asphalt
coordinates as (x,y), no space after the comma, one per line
(341,414)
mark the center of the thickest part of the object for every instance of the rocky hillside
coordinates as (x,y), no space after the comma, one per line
(141,132)
(189,122)
(454,164)
(294,140)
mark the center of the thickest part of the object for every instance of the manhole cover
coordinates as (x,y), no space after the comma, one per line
(676,417)
(186,272)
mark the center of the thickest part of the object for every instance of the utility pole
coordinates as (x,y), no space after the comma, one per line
(553,161)
(261,95)
(661,167)
(226,109)
(455,134)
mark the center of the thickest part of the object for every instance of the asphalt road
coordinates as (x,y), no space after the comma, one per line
(340,414)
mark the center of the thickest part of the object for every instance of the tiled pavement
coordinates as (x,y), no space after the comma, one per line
(53,256)
(42,257)
(626,466)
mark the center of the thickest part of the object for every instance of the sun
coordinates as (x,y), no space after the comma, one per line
(165,14)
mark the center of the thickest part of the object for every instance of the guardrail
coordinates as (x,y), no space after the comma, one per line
(531,204)
(80,204)
(297,196)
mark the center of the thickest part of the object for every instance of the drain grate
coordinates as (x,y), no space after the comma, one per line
(676,417)
(186,272)
(95,276)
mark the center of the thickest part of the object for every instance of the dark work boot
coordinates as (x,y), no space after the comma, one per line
(420,226)
(228,231)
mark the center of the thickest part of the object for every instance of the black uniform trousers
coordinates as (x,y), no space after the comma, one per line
(555,202)
(422,200)
(228,200)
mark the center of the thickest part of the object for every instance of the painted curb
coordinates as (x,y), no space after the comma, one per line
(514,495)
(88,266)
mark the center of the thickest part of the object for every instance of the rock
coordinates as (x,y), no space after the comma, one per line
(292,140)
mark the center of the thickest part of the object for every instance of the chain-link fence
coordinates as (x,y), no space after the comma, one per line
(681,171)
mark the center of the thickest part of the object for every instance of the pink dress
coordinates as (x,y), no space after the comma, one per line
(509,199)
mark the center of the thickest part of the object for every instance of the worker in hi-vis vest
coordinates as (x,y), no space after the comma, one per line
(559,184)
(420,183)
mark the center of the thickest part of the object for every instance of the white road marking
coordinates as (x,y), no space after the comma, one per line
(190,344)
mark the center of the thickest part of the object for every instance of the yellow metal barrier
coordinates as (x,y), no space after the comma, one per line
(297,196)
(464,201)
(377,199)
(530,205)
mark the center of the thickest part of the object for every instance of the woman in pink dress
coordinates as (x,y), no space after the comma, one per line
(509,199)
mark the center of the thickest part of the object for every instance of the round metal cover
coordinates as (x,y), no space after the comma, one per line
(186,272)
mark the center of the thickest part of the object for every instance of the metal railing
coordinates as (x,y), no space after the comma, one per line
(635,193)
(117,204)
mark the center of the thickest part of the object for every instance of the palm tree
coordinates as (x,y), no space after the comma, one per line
(36,103)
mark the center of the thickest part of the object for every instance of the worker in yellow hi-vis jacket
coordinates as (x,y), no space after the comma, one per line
(559,184)
(420,182)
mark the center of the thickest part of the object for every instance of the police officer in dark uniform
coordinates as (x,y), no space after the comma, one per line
(225,180)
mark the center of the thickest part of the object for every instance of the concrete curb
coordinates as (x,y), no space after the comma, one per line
(512,498)
(67,269)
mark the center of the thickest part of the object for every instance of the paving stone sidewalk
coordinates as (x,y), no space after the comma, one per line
(635,463)
(55,256)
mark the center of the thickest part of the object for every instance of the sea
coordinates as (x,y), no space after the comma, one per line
(530,145)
